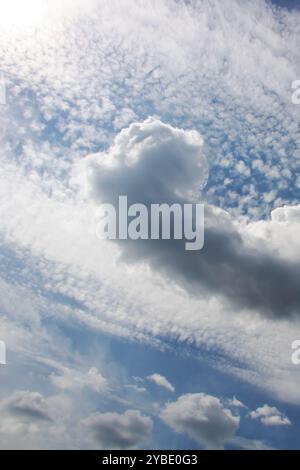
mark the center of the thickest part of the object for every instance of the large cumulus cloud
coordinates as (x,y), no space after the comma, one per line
(152,162)
(203,417)
(149,162)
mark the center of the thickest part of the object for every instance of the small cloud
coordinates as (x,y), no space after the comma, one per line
(120,431)
(29,405)
(234,402)
(136,388)
(153,163)
(250,444)
(161,381)
(270,416)
(71,379)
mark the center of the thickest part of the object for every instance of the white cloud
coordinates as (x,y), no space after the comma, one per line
(120,431)
(149,160)
(270,416)
(70,379)
(203,417)
(31,405)
(161,381)
(250,444)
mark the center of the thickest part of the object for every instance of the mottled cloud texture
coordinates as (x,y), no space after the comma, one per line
(167,101)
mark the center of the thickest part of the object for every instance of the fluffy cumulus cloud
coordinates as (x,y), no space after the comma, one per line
(152,162)
(203,417)
(120,431)
(270,416)
(161,381)
(149,161)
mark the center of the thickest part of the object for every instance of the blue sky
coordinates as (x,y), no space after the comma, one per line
(142,346)
(290,4)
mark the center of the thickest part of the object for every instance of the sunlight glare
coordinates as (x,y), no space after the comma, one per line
(21,13)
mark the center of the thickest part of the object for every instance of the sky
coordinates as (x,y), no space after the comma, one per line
(142,344)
